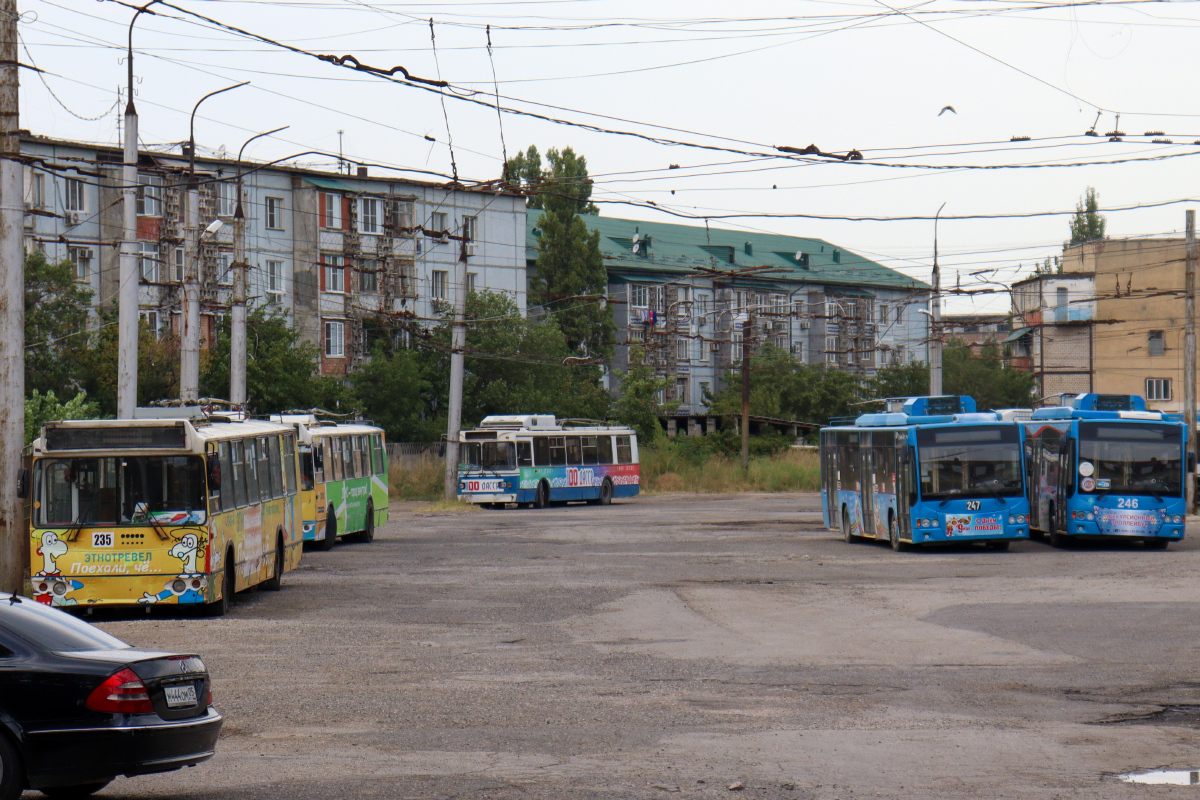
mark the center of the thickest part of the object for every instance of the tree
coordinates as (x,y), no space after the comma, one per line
(985,377)
(900,380)
(1088,224)
(394,393)
(637,406)
(56,326)
(572,282)
(158,365)
(781,386)
(280,367)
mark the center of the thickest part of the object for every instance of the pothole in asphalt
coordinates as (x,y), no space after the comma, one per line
(1173,777)
(1183,714)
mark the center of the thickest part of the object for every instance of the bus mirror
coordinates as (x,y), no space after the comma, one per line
(23,484)
(214,475)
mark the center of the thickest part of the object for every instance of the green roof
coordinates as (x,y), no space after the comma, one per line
(692,249)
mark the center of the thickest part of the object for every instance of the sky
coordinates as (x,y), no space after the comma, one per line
(726,83)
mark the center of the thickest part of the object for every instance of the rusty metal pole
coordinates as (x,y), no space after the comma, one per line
(13,534)
(748,325)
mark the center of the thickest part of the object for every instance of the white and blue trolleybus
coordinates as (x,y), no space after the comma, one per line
(928,470)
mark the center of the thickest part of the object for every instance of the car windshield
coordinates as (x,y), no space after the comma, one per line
(1132,458)
(976,461)
(488,455)
(115,490)
(51,629)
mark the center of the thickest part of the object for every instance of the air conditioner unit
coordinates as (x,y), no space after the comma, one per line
(72,217)
(805,324)
(714,346)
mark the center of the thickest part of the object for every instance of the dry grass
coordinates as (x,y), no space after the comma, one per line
(665,470)
(444,506)
(419,480)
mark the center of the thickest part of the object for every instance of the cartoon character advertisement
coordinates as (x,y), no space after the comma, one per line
(973,525)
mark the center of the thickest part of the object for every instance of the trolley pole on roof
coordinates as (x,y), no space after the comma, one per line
(458,343)
(13,536)
(1189,350)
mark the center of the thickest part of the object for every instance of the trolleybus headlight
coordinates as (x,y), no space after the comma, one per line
(1177,519)
(1021,519)
(1012,520)
(1091,516)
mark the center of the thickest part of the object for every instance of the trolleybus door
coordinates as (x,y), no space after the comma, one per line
(867,483)
(1066,481)
(905,493)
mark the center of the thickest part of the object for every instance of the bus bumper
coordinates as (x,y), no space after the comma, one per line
(478,497)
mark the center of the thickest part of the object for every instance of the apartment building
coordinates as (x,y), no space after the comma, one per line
(1052,331)
(327,249)
(977,330)
(691,296)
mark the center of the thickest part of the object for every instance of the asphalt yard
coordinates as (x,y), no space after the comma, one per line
(689,644)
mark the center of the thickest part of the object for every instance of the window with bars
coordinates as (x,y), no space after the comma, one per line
(149,195)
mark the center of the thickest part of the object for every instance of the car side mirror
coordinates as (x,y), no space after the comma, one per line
(23,484)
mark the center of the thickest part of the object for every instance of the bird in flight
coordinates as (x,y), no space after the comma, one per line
(948,108)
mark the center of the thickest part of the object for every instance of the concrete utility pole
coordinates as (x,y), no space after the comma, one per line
(127,292)
(935,319)
(458,343)
(1189,348)
(13,536)
(189,361)
(747,332)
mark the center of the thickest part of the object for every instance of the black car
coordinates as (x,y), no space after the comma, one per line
(79,707)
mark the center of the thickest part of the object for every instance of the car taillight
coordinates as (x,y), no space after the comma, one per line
(123,693)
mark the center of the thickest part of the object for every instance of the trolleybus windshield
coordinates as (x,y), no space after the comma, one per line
(112,490)
(487,455)
(976,461)
(1132,458)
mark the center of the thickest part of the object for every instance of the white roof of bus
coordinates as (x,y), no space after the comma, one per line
(197,432)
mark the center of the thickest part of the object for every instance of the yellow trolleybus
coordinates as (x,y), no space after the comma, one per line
(149,511)
(343,478)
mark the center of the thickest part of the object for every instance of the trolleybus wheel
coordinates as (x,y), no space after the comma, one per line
(846,534)
(228,587)
(606,493)
(275,582)
(894,535)
(1156,544)
(999,547)
(367,534)
(541,498)
(330,531)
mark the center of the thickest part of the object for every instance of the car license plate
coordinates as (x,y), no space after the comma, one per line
(181,695)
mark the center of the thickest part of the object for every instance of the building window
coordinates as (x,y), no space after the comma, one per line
(470,232)
(151,320)
(1158,388)
(275,213)
(149,261)
(149,196)
(637,335)
(1060,307)
(798,351)
(705,391)
(225,268)
(76,197)
(331,210)
(1157,343)
(178,264)
(402,218)
(226,198)
(899,314)
(437,221)
(368,277)
(471,276)
(639,296)
(883,313)
(335,273)
(701,306)
(335,339)
(781,341)
(681,349)
(274,277)
(37,190)
(438,285)
(681,387)
(866,349)
(368,215)
(831,350)
(81,257)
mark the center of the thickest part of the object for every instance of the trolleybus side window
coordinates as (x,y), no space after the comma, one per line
(289,465)
(589,450)
(357,455)
(524,454)
(239,472)
(213,463)
(347,459)
(574,452)
(319,463)
(251,471)
(604,451)
(264,469)
(333,453)
(624,450)
(276,466)
(541,451)
(558,452)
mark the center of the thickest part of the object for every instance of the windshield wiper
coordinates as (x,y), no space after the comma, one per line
(990,486)
(946,495)
(1143,482)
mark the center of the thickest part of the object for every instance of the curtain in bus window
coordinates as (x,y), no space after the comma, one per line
(558,452)
(239,472)
(252,471)
(226,462)
(624,450)
(574,452)
(604,451)
(289,463)
(524,454)
(276,466)
(541,451)
(589,450)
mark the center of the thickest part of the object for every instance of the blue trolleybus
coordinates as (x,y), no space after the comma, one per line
(1104,466)
(928,470)
(538,460)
